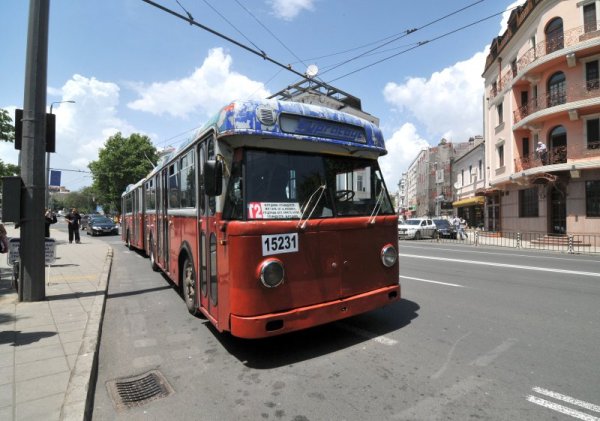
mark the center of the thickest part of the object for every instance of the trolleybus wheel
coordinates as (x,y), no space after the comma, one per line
(188,278)
(153,264)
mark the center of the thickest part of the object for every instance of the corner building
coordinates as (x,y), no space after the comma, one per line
(542,84)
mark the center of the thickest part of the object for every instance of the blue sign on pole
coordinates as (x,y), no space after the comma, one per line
(54,178)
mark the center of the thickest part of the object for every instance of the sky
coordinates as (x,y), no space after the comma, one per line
(130,67)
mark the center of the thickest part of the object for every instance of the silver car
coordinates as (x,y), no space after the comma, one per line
(417,228)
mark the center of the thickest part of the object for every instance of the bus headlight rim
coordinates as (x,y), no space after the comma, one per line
(389,255)
(272,273)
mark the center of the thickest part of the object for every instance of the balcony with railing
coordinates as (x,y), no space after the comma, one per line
(558,155)
(574,92)
(569,38)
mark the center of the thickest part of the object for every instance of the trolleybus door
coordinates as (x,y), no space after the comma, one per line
(162,224)
(207,240)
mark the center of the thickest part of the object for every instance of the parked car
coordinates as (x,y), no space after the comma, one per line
(98,225)
(416,228)
(445,228)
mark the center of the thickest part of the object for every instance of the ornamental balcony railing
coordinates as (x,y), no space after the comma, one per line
(569,38)
(574,92)
(558,155)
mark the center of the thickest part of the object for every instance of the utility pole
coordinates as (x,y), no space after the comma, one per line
(32,160)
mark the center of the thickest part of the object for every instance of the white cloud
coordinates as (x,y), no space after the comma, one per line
(289,9)
(83,127)
(402,147)
(204,91)
(449,103)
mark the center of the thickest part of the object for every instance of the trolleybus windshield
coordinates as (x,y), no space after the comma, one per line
(287,185)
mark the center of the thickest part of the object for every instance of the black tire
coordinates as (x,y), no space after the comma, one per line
(153,264)
(417,235)
(189,287)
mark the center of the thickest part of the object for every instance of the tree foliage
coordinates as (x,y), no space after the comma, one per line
(122,161)
(84,200)
(7,130)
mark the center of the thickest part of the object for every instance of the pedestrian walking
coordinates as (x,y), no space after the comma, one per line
(49,218)
(463,227)
(3,239)
(73,218)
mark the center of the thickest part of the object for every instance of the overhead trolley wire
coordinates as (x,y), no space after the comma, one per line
(260,53)
(421,43)
(404,34)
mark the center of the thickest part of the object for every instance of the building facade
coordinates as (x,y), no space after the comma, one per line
(468,175)
(542,119)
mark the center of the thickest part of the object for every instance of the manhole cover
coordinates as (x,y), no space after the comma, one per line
(136,391)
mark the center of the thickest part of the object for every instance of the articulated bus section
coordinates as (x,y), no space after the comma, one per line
(269,227)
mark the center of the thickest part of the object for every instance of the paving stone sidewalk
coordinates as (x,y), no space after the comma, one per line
(48,348)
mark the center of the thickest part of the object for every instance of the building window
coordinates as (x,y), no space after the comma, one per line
(480,167)
(528,203)
(592,133)
(591,75)
(525,141)
(589,17)
(557,89)
(500,110)
(462,178)
(554,35)
(471,173)
(592,198)
(494,88)
(513,67)
(501,156)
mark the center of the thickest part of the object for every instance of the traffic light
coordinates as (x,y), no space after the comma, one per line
(50,131)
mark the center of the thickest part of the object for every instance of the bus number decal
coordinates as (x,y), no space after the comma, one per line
(255,211)
(279,243)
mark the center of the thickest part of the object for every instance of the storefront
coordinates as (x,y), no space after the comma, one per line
(472,209)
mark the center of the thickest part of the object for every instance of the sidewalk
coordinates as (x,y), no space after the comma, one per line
(48,348)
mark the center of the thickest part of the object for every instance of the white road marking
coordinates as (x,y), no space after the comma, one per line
(562,409)
(384,340)
(504,265)
(567,399)
(433,282)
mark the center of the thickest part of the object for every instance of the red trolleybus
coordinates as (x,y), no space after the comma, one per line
(273,218)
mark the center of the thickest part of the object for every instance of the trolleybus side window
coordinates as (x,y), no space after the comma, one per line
(187,179)
(174,196)
(234,200)
(212,201)
(150,195)
(201,190)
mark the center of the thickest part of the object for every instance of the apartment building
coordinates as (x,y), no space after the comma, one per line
(468,176)
(428,183)
(542,119)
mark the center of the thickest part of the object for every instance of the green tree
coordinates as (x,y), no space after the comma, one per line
(84,200)
(122,161)
(7,134)
(7,130)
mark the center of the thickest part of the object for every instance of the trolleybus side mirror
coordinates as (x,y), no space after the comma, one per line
(213,178)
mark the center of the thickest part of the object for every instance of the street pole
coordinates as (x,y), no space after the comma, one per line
(32,250)
(48,157)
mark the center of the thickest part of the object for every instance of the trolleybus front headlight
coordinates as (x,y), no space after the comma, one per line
(389,255)
(271,273)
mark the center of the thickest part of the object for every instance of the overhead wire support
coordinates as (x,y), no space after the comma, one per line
(225,37)
(239,44)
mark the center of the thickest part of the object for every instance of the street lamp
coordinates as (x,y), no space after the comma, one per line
(48,156)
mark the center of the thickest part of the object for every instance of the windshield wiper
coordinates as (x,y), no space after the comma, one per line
(320,190)
(377,207)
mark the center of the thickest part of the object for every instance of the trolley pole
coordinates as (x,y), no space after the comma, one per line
(32,251)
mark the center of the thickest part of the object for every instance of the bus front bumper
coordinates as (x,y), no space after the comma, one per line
(301,318)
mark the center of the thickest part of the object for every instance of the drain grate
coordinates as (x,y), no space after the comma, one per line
(136,391)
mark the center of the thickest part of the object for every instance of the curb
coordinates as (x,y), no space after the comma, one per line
(79,398)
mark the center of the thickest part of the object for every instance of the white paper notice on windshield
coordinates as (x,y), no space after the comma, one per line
(273,210)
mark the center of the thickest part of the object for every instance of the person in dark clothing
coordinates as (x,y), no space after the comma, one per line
(50,218)
(73,218)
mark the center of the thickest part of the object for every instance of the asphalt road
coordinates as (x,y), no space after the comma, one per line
(480,333)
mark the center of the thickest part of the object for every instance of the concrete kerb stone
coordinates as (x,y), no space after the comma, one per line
(78,398)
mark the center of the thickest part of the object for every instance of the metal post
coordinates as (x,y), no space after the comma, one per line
(33,148)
